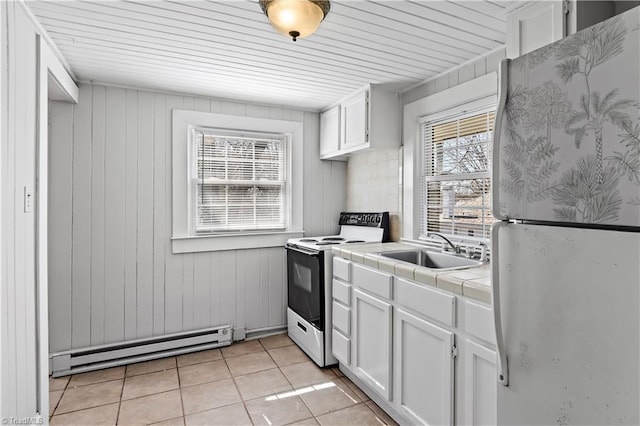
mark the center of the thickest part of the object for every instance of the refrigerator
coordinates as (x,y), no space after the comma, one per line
(566,247)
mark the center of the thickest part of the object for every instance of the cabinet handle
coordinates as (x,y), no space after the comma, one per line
(503,87)
(503,366)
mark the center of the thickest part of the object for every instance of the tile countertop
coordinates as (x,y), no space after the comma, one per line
(474,282)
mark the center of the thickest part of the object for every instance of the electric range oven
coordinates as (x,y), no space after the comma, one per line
(309,277)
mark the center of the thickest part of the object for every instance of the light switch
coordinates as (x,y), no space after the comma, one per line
(28,200)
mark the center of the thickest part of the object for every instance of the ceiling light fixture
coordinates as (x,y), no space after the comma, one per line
(295,18)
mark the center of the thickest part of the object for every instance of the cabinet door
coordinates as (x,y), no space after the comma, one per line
(330,131)
(372,342)
(424,370)
(480,385)
(355,120)
(534,25)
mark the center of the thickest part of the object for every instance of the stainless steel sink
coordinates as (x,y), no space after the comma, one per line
(431,259)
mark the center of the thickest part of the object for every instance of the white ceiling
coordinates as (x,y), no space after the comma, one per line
(228,49)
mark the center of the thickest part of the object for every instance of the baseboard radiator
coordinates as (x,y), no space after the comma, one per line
(116,354)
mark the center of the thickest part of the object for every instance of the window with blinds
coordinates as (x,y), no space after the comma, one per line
(456,193)
(239,181)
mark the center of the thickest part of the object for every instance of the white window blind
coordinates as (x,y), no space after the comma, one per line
(239,181)
(456,193)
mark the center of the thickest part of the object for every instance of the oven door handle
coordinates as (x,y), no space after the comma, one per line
(301,250)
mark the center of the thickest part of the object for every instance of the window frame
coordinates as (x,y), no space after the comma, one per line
(472,93)
(286,184)
(457,113)
(184,239)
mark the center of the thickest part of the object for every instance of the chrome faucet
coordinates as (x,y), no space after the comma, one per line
(453,246)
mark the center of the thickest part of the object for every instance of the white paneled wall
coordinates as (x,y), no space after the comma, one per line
(112,275)
(474,69)
(18,359)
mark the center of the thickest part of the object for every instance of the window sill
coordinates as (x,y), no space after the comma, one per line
(202,243)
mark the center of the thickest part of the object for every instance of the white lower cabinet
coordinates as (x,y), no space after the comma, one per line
(397,339)
(424,370)
(341,346)
(480,384)
(372,342)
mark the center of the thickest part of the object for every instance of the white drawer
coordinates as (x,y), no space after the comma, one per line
(373,281)
(426,301)
(341,292)
(341,347)
(341,268)
(341,318)
(479,321)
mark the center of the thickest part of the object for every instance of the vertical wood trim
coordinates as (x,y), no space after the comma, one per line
(145,215)
(481,67)
(187,291)
(277,286)
(467,72)
(202,284)
(4,340)
(225,270)
(8,359)
(81,261)
(263,280)
(60,225)
(25,248)
(159,214)
(131,216)
(242,257)
(115,190)
(97,215)
(187,266)
(173,262)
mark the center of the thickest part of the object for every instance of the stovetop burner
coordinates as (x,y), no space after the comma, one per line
(354,228)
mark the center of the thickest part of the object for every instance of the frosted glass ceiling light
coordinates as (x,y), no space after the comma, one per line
(295,18)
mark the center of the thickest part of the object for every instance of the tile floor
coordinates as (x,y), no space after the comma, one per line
(269,381)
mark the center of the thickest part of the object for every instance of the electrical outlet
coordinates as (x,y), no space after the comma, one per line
(28,200)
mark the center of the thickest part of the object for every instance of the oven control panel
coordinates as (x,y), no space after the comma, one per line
(377,220)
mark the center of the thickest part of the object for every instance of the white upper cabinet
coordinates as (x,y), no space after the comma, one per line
(534,25)
(330,131)
(356,117)
(370,118)
(531,25)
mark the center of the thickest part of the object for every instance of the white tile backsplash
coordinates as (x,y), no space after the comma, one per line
(373,184)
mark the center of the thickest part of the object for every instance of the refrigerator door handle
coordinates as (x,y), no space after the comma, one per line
(503,87)
(503,366)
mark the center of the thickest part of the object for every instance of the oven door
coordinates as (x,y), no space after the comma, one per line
(305,284)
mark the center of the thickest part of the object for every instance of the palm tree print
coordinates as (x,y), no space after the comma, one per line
(592,99)
(628,163)
(582,54)
(593,117)
(529,160)
(548,108)
(529,166)
(588,49)
(583,197)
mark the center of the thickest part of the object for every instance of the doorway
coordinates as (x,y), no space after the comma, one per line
(54,84)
